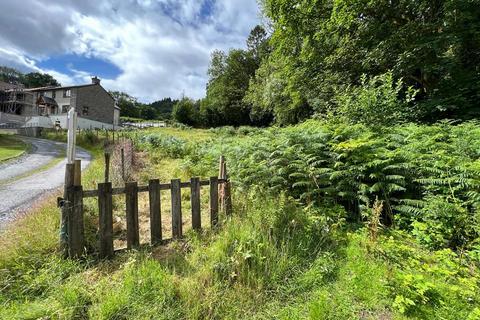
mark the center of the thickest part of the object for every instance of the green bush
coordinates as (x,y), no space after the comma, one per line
(443,224)
(165,144)
(376,102)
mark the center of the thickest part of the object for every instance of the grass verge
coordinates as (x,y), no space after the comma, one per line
(11,147)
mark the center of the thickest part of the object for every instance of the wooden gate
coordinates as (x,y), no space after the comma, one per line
(73,237)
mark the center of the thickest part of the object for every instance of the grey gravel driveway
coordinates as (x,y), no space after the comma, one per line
(26,180)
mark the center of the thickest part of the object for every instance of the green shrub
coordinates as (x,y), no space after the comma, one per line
(375,102)
(443,224)
(165,144)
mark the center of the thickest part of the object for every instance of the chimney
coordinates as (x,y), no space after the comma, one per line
(95,80)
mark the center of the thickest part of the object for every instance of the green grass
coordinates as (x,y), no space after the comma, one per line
(11,147)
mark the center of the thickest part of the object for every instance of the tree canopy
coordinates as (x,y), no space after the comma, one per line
(29,80)
(320,51)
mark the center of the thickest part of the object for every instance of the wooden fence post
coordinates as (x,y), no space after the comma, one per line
(221,187)
(75,222)
(105,217)
(227,192)
(195,201)
(66,208)
(176,209)
(214,201)
(77,179)
(131,202)
(107,167)
(155,211)
(122,151)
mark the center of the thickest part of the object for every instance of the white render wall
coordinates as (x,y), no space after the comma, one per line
(49,122)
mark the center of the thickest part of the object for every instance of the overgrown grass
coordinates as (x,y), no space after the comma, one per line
(11,147)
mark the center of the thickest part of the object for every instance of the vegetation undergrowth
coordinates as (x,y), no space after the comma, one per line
(330,222)
(11,147)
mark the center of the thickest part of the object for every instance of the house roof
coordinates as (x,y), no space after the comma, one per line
(69,87)
(59,87)
(47,100)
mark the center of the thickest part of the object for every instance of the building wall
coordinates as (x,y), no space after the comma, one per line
(94,103)
(60,99)
(61,120)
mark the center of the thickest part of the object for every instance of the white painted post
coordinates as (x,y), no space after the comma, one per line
(71,138)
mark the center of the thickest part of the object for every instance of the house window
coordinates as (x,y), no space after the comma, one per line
(65,108)
(85,111)
(42,94)
(67,93)
(54,94)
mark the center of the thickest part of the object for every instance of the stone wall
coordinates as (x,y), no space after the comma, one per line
(94,103)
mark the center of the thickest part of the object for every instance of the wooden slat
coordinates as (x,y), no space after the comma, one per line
(75,223)
(195,201)
(117,191)
(107,165)
(155,211)
(105,217)
(143,188)
(131,202)
(176,209)
(165,186)
(162,186)
(90,193)
(214,201)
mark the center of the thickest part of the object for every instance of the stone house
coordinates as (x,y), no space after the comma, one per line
(47,107)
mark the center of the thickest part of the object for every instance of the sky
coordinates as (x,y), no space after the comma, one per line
(150,49)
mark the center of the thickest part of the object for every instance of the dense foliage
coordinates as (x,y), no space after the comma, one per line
(29,80)
(433,46)
(427,177)
(318,49)
(132,108)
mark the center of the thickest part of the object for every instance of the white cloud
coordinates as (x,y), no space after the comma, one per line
(162,47)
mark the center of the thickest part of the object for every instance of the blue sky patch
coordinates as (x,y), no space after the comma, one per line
(94,66)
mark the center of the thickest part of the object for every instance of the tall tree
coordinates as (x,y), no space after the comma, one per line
(230,75)
(37,79)
(433,45)
(30,80)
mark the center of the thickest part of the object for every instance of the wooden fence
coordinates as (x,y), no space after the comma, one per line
(72,234)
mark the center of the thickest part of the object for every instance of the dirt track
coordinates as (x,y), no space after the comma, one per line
(25,180)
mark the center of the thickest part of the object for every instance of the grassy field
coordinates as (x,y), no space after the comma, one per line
(11,147)
(276,258)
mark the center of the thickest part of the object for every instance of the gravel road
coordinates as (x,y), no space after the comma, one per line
(24,181)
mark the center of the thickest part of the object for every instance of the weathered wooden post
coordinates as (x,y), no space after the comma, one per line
(107,167)
(176,208)
(105,217)
(66,206)
(122,153)
(131,199)
(155,211)
(75,222)
(195,202)
(214,201)
(77,181)
(221,187)
(68,197)
(227,192)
